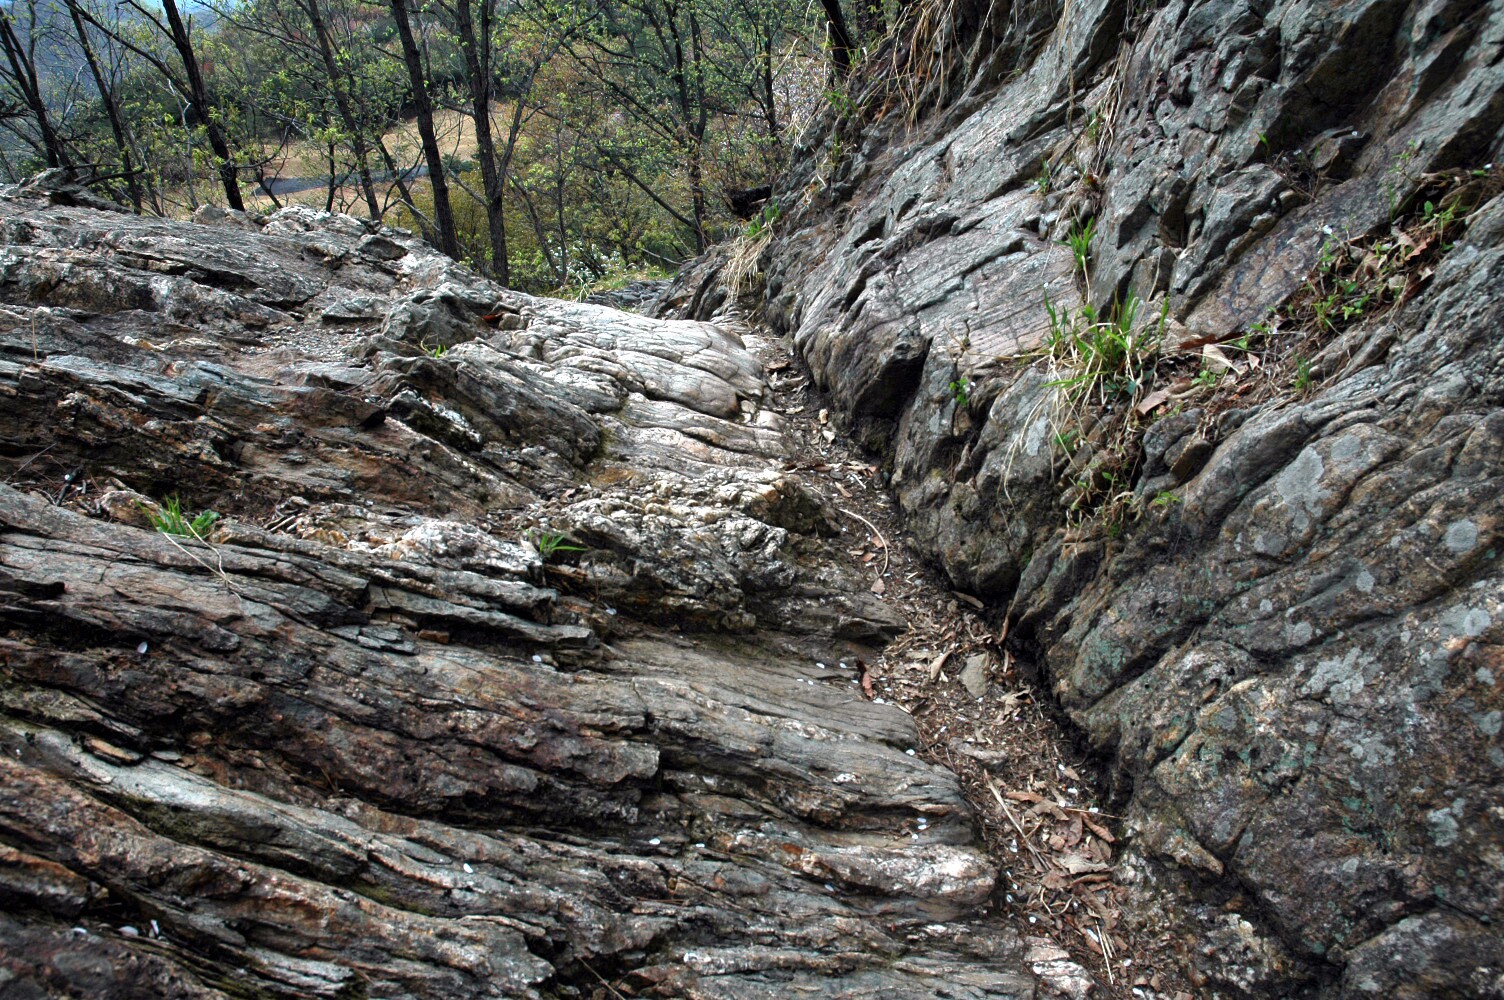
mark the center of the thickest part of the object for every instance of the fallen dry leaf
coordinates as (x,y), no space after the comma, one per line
(1151,402)
(1216,360)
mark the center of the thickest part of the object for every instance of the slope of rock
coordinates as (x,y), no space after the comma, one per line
(503,673)
(1269,591)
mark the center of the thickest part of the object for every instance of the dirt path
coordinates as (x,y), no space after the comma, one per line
(1042,817)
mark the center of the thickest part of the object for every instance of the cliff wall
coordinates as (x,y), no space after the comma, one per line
(1229,468)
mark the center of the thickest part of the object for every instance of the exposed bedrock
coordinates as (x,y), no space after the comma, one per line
(514,666)
(1287,645)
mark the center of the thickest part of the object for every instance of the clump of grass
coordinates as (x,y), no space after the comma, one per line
(171,520)
(1079,240)
(1104,356)
(551,543)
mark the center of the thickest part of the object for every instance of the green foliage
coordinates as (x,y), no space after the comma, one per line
(171,520)
(1104,356)
(763,221)
(550,544)
(1094,123)
(1302,374)
(621,127)
(1044,180)
(960,391)
(1079,240)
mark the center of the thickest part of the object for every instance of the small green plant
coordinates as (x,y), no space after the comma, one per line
(550,543)
(1044,180)
(1165,499)
(1094,125)
(170,519)
(840,102)
(437,351)
(960,391)
(1398,178)
(1106,356)
(1207,378)
(1302,374)
(763,221)
(1079,240)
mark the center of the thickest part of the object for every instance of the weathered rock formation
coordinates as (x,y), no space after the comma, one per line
(1274,603)
(512,669)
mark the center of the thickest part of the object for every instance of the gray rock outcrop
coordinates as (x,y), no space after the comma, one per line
(511,668)
(1272,601)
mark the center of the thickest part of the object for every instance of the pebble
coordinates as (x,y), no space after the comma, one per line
(468,869)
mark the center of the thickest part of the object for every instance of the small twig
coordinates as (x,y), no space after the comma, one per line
(877,534)
(218,571)
(992,787)
(22,467)
(597,975)
(1106,946)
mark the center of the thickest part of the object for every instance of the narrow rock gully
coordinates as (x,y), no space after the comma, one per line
(977,712)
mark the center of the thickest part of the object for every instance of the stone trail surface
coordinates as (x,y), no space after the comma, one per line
(1290,651)
(365,740)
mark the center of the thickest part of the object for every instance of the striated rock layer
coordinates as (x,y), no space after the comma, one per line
(1293,661)
(514,667)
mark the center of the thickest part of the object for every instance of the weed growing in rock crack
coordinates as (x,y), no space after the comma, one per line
(1397,176)
(551,543)
(1104,363)
(960,391)
(1044,180)
(763,221)
(1094,125)
(1079,240)
(171,520)
(436,351)
(1302,374)
(1165,499)
(1104,356)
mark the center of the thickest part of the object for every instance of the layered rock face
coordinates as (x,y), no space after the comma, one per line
(513,668)
(1288,641)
